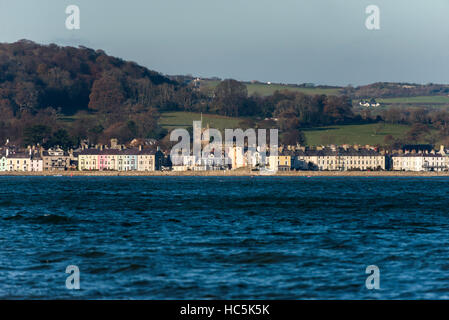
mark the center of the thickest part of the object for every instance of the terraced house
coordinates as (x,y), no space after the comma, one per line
(2,162)
(108,159)
(422,161)
(127,160)
(146,160)
(18,162)
(281,162)
(37,163)
(88,160)
(117,160)
(339,159)
(55,159)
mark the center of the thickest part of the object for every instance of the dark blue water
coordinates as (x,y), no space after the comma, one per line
(224,238)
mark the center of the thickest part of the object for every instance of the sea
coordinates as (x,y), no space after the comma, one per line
(224,237)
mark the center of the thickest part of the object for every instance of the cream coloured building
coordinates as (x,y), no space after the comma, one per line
(18,162)
(88,160)
(339,159)
(409,161)
(146,160)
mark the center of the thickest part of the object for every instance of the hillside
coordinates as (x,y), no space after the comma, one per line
(396,90)
(69,79)
(265,89)
(52,95)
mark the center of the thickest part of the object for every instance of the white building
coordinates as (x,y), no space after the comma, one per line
(432,161)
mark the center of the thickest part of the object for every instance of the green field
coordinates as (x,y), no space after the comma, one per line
(172,120)
(268,89)
(353,134)
(421,101)
(345,134)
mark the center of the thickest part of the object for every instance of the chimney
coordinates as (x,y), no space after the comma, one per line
(114,143)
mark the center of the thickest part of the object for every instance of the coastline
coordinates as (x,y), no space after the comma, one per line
(236,173)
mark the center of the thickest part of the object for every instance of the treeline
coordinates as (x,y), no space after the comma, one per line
(39,85)
(427,125)
(389,90)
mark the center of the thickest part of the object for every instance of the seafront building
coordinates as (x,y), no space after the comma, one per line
(18,162)
(421,161)
(55,159)
(281,162)
(11,160)
(138,158)
(2,162)
(342,158)
(146,160)
(119,159)
(37,163)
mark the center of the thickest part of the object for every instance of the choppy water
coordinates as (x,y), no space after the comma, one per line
(224,238)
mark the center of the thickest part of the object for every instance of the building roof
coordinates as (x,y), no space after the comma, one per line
(414,155)
(19,155)
(116,152)
(46,153)
(339,151)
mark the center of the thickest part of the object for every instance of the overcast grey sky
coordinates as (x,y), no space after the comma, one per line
(292,41)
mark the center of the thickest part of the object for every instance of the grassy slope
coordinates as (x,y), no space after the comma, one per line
(351,134)
(172,120)
(268,89)
(265,89)
(421,101)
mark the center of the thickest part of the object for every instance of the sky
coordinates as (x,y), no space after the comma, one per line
(287,41)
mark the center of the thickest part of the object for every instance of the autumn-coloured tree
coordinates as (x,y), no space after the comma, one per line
(230,97)
(338,108)
(107,94)
(293,137)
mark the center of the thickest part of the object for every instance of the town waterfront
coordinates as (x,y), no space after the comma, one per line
(224,237)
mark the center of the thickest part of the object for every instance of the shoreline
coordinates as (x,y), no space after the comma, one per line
(237,173)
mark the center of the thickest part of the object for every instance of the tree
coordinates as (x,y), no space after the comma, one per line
(62,139)
(107,94)
(392,115)
(389,140)
(36,134)
(338,108)
(416,132)
(26,95)
(230,97)
(293,137)
(419,115)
